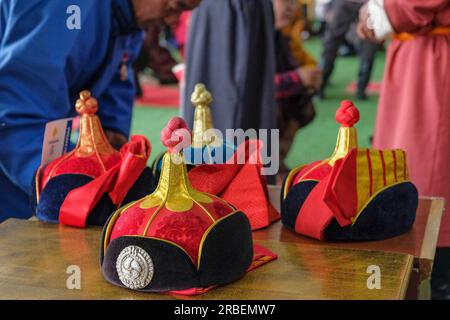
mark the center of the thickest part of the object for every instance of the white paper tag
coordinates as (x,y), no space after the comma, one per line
(56,140)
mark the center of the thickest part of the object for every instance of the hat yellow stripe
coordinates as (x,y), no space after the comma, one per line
(362,178)
(369,200)
(400,165)
(377,171)
(389,165)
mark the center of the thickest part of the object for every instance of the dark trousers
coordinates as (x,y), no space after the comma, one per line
(344,14)
(440,277)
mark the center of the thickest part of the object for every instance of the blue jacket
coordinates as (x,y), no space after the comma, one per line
(43,67)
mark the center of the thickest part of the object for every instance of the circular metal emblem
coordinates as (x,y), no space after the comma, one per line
(134,267)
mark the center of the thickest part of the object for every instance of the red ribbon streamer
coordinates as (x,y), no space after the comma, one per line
(333,197)
(241,185)
(261,256)
(118,180)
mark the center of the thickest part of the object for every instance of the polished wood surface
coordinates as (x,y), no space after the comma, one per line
(34,257)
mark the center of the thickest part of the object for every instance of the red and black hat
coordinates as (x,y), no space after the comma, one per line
(357,194)
(238,171)
(84,186)
(177,238)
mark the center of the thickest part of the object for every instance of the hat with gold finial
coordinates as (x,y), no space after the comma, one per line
(221,167)
(220,170)
(85,185)
(208,145)
(176,238)
(357,194)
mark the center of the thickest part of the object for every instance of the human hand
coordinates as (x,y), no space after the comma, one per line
(311,77)
(364,29)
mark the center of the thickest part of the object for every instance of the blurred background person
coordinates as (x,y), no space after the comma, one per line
(230,49)
(414,106)
(321,9)
(343,14)
(162,53)
(297,79)
(44,66)
(156,57)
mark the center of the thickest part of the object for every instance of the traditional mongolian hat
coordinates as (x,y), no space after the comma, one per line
(357,194)
(176,239)
(87,184)
(229,169)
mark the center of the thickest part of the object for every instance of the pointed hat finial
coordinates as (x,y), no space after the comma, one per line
(201,98)
(86,105)
(92,138)
(174,186)
(347,115)
(175,135)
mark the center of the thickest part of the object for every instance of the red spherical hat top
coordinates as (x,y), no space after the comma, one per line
(175,212)
(347,114)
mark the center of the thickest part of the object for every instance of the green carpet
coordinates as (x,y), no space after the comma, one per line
(149,122)
(313,142)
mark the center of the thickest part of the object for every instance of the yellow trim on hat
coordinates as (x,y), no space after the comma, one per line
(355,218)
(290,177)
(37,181)
(149,222)
(163,240)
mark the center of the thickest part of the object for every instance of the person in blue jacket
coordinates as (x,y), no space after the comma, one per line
(45,62)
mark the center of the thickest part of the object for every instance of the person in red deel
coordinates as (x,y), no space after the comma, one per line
(414,106)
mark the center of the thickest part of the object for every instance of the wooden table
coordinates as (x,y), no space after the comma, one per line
(34,257)
(420,242)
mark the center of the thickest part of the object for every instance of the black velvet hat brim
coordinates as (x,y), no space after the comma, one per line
(173,268)
(391,213)
(56,190)
(226,254)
